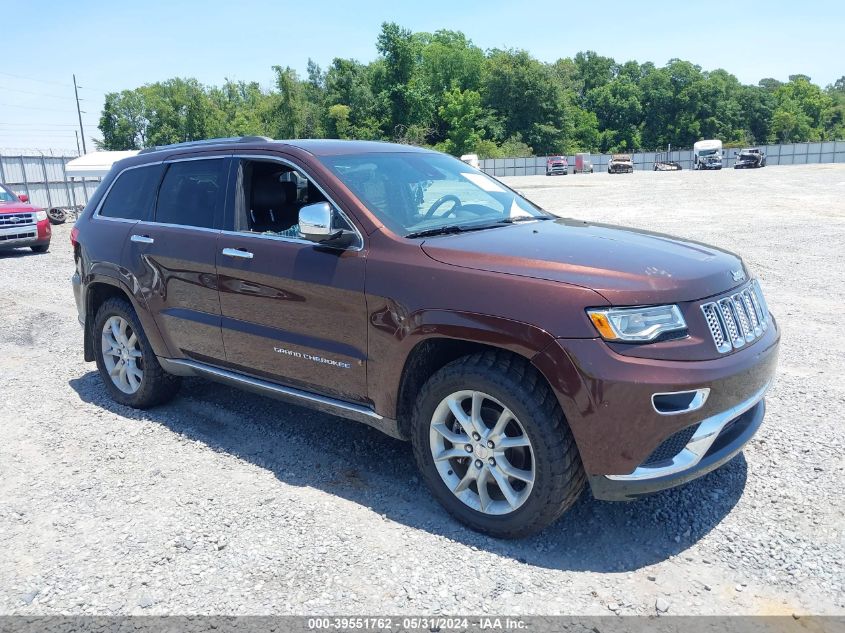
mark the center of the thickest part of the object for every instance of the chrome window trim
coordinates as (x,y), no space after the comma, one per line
(701,441)
(96,215)
(358,247)
(278,159)
(178,226)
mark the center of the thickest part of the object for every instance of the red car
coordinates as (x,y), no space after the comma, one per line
(557,165)
(22,224)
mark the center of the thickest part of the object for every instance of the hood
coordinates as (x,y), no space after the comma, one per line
(626,266)
(17,207)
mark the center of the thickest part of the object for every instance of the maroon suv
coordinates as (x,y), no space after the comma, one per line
(523,355)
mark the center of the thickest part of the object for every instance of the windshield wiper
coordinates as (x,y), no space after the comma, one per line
(451,228)
(523,218)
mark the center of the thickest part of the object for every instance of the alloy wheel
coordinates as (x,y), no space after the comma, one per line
(482,452)
(122,355)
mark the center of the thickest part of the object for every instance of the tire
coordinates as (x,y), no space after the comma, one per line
(57,216)
(155,386)
(504,381)
(40,248)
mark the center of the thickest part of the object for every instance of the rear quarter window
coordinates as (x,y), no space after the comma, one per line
(133,194)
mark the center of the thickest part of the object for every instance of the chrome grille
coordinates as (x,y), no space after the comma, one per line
(738,319)
(17,219)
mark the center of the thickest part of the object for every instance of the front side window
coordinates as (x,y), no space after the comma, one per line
(6,195)
(269,196)
(413,192)
(192,193)
(133,194)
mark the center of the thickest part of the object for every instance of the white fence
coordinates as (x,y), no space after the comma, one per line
(787,154)
(44,180)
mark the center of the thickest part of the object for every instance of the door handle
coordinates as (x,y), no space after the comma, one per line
(142,239)
(237,252)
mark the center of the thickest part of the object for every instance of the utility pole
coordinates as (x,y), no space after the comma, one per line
(79,114)
(77,142)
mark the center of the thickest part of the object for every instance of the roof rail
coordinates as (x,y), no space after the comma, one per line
(208,141)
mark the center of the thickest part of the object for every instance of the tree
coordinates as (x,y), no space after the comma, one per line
(439,89)
(461,111)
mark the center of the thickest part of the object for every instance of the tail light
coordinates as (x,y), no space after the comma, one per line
(74,236)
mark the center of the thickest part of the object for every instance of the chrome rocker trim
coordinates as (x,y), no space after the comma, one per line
(707,432)
(340,408)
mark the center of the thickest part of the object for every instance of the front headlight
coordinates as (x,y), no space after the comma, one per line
(637,324)
(40,215)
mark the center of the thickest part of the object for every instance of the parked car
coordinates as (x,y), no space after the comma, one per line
(583,163)
(523,355)
(620,164)
(21,224)
(557,165)
(750,159)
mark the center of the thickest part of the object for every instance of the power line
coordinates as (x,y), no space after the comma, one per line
(43,81)
(58,83)
(13,105)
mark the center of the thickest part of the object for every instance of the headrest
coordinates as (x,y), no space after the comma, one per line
(269,193)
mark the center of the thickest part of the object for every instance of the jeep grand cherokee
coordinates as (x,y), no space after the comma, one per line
(523,355)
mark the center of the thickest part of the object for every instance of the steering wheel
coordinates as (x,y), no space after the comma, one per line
(442,200)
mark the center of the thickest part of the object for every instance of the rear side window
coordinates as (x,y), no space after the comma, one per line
(133,194)
(192,193)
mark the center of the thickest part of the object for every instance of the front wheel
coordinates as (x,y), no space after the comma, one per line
(40,248)
(493,446)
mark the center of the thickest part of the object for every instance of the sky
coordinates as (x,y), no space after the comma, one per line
(117,45)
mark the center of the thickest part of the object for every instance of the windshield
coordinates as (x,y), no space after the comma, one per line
(413,192)
(6,195)
(707,152)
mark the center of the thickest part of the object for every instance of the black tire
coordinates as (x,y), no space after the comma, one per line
(559,475)
(57,216)
(157,386)
(40,248)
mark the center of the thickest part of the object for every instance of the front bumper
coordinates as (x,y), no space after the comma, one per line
(630,445)
(716,441)
(25,235)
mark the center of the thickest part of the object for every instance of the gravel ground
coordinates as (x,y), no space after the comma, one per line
(223,502)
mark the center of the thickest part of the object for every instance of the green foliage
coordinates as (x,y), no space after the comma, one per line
(439,89)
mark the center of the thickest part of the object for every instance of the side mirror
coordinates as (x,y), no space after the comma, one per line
(316,225)
(23,197)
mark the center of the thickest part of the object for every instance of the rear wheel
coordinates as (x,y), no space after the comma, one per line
(127,363)
(40,248)
(493,446)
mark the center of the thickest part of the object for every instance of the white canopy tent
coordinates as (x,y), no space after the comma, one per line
(95,164)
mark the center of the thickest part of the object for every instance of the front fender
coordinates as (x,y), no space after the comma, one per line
(394,336)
